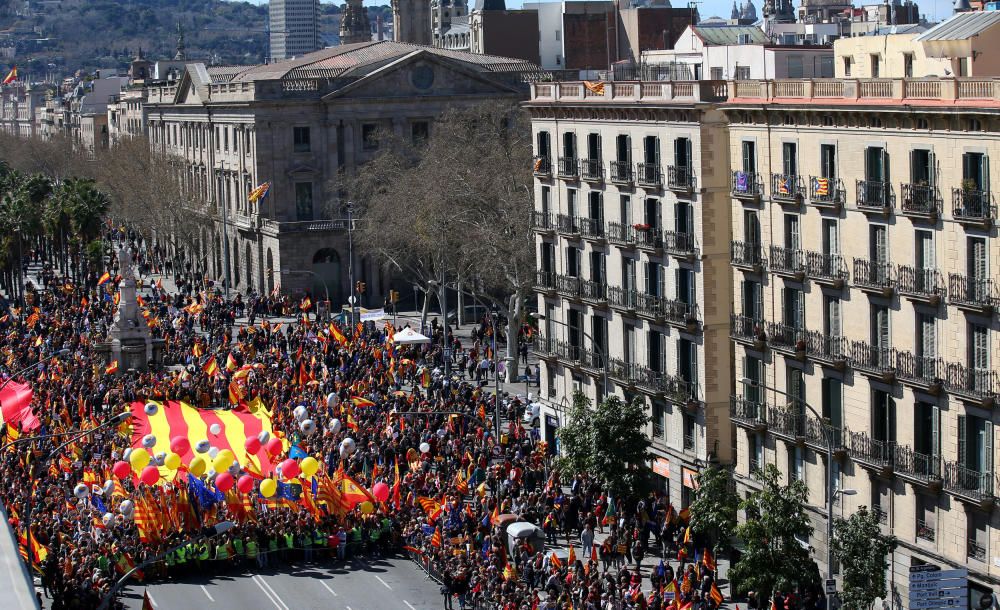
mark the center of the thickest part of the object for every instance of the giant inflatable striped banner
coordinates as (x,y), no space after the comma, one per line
(181,419)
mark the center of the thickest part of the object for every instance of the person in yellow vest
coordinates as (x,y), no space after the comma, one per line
(252,551)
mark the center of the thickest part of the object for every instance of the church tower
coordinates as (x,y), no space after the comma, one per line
(411,21)
(354,24)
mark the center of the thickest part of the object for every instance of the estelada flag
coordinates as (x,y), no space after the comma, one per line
(104,279)
(11,76)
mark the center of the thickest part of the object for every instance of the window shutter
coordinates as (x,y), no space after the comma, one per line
(929,342)
(885,165)
(986,464)
(834,314)
(962,437)
(935,431)
(977,258)
(884,327)
(599,153)
(628,150)
(688,156)
(656,151)
(784,306)
(744,299)
(980,347)
(914,177)
(931,169)
(869,166)
(758,301)
(986,173)
(693,363)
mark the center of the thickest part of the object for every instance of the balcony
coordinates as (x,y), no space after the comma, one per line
(622,300)
(675,313)
(748,331)
(542,166)
(544,346)
(650,175)
(568,167)
(832,351)
(925,530)
(681,245)
(869,452)
(968,484)
(748,414)
(828,269)
(648,237)
(787,339)
(921,201)
(621,172)
(874,360)
(620,371)
(592,229)
(545,281)
(621,235)
(672,387)
(592,170)
(975,551)
(785,422)
(568,286)
(542,222)
(875,197)
(680,178)
(974,294)
(827,192)
(921,285)
(820,433)
(924,373)
(973,207)
(568,225)
(787,189)
(748,256)
(788,262)
(917,467)
(688,442)
(746,186)
(976,385)
(596,293)
(875,277)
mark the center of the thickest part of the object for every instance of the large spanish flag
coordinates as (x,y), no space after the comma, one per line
(181,419)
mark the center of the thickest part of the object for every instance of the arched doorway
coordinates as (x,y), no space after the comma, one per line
(269,270)
(326,266)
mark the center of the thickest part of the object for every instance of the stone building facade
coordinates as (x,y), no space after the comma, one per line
(864,260)
(299,125)
(632,222)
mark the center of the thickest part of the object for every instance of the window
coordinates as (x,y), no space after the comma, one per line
(569,145)
(795,66)
(654,278)
(876,164)
(883,417)
(594,149)
(926,434)
(793,307)
(369,136)
(847,66)
(796,465)
(879,244)
(874,63)
(742,72)
(922,167)
(749,157)
(753,369)
(756,451)
(975,448)
(546,196)
(975,171)
(833,406)
(880,337)
(628,274)
(926,522)
(926,338)
(595,206)
(908,65)
(687,362)
(716,73)
(550,379)
(623,149)
(690,434)
(979,351)
(831,237)
(963,66)
(300,139)
(625,209)
(572,261)
(544,150)
(225,139)
(682,152)
(792,240)
(828,161)
(976,263)
(629,342)
(303,201)
(656,358)
(419,132)
(659,419)
(597,269)
(753,300)
(686,286)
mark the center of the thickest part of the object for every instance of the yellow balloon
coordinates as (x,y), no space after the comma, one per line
(139,459)
(309,466)
(197,466)
(228,455)
(367,507)
(222,463)
(172,461)
(268,487)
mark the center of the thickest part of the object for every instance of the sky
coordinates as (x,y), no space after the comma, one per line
(934,10)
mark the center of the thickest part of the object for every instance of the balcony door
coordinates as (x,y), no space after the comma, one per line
(789,159)
(544,144)
(654,279)
(653,210)
(651,151)
(922,167)
(883,417)
(976,171)
(682,153)
(594,148)
(569,145)
(574,322)
(683,218)
(595,200)
(975,449)
(753,371)
(623,149)
(792,240)
(751,228)
(597,268)
(753,300)
(628,274)
(927,429)
(876,164)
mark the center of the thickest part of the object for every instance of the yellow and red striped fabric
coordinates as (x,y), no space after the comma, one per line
(181,419)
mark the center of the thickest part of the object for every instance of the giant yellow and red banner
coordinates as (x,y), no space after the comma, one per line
(174,419)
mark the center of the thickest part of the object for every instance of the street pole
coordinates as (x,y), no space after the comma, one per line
(828,434)
(350,259)
(225,227)
(444,314)
(496,371)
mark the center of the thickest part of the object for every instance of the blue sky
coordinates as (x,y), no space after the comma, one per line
(933,9)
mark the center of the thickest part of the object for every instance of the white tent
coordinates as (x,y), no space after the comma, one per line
(408,336)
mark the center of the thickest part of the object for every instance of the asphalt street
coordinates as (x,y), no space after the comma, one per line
(362,585)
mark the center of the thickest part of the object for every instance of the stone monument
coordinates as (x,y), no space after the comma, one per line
(131,341)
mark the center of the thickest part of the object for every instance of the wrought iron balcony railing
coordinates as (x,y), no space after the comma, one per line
(874,275)
(830,268)
(591,169)
(747,254)
(679,244)
(568,167)
(972,292)
(621,172)
(542,166)
(786,187)
(922,284)
(650,174)
(621,234)
(680,178)
(972,206)
(875,195)
(746,185)
(826,192)
(921,200)
(787,261)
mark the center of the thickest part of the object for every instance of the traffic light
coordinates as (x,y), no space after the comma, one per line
(393,296)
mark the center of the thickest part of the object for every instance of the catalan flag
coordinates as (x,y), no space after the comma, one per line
(431,507)
(258,194)
(104,279)
(715,594)
(555,560)
(436,538)
(708,560)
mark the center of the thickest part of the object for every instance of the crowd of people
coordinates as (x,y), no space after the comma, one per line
(430,439)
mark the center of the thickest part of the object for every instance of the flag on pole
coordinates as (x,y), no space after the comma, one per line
(210,368)
(258,194)
(715,594)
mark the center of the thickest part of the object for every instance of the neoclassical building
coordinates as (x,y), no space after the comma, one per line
(300,125)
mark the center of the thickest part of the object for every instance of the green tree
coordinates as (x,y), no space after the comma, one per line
(776,519)
(713,510)
(860,548)
(609,443)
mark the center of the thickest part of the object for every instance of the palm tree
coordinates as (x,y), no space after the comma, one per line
(81,206)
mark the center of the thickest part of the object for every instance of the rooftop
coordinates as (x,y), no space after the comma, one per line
(961,26)
(718,35)
(887,92)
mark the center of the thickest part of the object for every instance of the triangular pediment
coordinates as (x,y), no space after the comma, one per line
(422,74)
(301,169)
(194,79)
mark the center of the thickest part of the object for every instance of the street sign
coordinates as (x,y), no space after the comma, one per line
(831,586)
(932,588)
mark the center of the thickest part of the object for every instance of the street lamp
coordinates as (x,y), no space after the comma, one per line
(597,346)
(210,532)
(844,492)
(62,352)
(830,493)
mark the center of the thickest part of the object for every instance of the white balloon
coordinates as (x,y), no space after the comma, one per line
(109,487)
(334,426)
(349,444)
(202,446)
(264,436)
(213,451)
(126,455)
(234,469)
(151,408)
(425,448)
(343,452)
(332,400)
(307,427)
(160,457)
(107,518)
(148,441)
(215,429)
(126,508)
(300,413)
(97,490)
(81,491)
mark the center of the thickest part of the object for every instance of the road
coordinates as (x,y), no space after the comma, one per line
(363,585)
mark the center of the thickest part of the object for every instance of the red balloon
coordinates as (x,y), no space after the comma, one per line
(180,445)
(244,484)
(150,475)
(273,446)
(252,444)
(380,491)
(121,469)
(224,482)
(290,469)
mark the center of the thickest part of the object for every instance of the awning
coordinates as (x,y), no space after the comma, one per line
(408,336)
